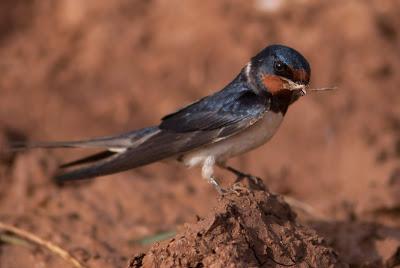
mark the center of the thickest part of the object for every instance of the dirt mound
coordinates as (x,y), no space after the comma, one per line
(246,229)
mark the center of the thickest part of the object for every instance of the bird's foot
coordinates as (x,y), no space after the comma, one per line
(216,185)
(254,181)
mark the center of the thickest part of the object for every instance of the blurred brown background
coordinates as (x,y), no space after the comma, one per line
(72,69)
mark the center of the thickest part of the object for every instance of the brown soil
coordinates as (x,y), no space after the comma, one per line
(247,229)
(77,69)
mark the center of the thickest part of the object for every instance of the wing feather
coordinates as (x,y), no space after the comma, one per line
(208,115)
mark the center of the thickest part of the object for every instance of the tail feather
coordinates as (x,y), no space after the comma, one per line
(107,165)
(94,143)
(114,159)
(111,142)
(89,159)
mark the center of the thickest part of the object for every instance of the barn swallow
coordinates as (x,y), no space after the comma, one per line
(242,116)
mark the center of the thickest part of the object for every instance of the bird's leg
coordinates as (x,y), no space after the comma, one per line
(207,171)
(241,175)
(216,185)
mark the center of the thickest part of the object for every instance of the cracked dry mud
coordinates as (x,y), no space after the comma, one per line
(247,228)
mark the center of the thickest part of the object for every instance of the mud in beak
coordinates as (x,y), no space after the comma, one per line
(301,88)
(292,86)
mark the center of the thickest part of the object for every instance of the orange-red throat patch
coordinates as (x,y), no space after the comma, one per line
(274,84)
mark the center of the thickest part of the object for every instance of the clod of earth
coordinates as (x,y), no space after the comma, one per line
(248,228)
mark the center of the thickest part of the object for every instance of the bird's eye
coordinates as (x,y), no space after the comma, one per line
(279,66)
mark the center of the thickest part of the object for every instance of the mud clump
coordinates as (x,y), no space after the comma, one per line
(248,228)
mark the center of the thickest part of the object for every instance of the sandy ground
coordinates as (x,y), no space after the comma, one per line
(73,69)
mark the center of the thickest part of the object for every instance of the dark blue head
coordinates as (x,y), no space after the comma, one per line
(279,69)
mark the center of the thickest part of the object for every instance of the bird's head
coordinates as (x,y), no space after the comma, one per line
(279,70)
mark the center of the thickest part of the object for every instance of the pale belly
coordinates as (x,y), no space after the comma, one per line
(245,141)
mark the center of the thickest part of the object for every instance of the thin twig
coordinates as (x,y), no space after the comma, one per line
(322,88)
(30,237)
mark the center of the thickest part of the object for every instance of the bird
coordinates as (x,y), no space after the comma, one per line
(242,116)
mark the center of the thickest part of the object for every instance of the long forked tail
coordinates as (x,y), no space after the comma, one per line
(102,163)
(111,143)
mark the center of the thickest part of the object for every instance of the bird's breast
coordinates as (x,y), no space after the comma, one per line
(249,139)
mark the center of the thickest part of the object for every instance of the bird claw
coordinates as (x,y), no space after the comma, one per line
(253,181)
(216,185)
